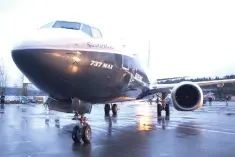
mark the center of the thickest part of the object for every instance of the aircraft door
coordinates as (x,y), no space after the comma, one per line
(140,74)
(128,64)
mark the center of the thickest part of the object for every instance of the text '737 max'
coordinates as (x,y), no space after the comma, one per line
(101,64)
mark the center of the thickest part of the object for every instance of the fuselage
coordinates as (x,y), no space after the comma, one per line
(67,63)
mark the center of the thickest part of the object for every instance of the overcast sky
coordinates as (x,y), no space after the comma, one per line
(194,38)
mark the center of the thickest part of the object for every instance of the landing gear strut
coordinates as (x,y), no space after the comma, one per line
(82,131)
(107,109)
(163,105)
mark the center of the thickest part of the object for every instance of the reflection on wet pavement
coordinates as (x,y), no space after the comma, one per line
(27,130)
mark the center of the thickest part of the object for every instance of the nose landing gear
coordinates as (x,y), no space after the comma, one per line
(82,131)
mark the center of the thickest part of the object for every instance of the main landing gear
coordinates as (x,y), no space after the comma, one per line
(82,131)
(163,105)
(107,109)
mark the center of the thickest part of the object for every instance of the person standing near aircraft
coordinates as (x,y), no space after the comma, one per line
(157,100)
(228,97)
(2,100)
(210,100)
(151,100)
(167,107)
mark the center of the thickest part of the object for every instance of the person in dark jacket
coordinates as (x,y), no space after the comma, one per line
(228,97)
(2,100)
(210,100)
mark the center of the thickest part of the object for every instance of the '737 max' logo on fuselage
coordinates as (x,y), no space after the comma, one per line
(98,64)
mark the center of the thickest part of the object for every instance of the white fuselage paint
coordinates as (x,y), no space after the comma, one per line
(66,39)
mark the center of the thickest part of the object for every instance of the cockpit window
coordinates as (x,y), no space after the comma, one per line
(96,33)
(49,25)
(67,25)
(91,31)
(63,24)
(87,29)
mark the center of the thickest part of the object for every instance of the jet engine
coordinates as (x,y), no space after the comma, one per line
(69,105)
(187,96)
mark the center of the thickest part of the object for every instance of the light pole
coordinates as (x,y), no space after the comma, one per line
(148,53)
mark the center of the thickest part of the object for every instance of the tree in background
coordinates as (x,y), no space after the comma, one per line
(3,75)
(18,87)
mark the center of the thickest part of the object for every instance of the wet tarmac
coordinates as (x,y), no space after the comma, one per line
(135,132)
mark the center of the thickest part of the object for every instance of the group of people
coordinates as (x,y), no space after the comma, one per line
(227,98)
(167,100)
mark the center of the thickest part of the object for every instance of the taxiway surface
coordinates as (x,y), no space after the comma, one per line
(135,132)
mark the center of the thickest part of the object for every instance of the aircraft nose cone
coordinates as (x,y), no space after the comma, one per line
(47,59)
(22,58)
(28,61)
(30,53)
(35,65)
(37,49)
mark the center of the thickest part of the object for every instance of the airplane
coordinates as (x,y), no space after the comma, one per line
(77,67)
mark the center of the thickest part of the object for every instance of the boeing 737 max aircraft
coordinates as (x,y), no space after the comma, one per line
(77,67)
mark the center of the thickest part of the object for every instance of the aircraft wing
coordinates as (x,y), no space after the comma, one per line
(201,83)
(167,87)
(169,78)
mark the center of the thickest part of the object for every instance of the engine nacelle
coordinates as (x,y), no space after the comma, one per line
(69,105)
(187,96)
